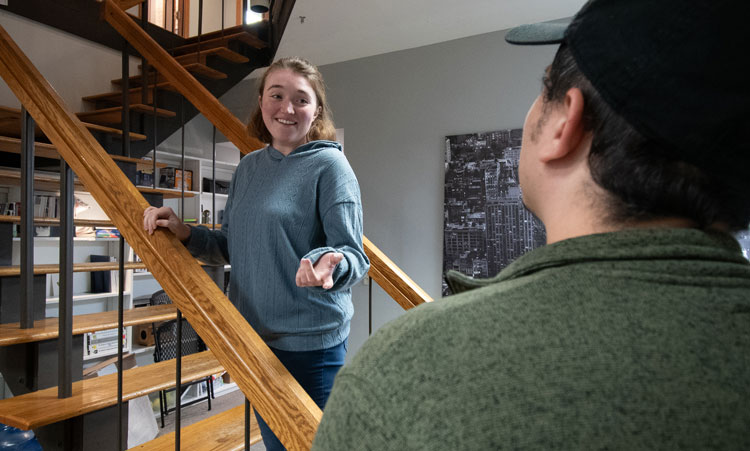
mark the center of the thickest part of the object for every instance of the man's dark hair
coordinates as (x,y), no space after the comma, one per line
(643,180)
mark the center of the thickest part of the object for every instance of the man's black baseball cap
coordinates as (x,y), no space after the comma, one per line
(675,70)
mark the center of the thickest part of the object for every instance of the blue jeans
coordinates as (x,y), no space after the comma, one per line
(315,371)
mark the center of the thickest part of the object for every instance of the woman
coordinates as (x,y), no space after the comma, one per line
(292,231)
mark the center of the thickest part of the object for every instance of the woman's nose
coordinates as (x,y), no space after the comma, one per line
(288,107)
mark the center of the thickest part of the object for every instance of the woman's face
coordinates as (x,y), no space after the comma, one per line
(289,106)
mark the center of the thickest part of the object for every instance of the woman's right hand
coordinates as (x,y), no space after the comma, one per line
(165,217)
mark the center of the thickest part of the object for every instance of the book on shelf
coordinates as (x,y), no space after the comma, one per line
(106,232)
(103,342)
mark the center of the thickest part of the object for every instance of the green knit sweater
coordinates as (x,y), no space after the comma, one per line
(629,340)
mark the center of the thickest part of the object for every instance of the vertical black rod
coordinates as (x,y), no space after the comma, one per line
(153,160)
(244,12)
(27,220)
(182,157)
(178,388)
(125,100)
(144,62)
(222,18)
(200,26)
(120,330)
(65,320)
(214,216)
(369,297)
(247,423)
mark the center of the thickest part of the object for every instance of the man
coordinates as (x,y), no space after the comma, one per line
(631,328)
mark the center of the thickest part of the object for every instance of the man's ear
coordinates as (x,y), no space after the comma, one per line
(567,121)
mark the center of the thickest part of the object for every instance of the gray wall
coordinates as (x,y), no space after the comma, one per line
(396,110)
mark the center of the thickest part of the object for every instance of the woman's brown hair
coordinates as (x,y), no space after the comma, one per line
(322,127)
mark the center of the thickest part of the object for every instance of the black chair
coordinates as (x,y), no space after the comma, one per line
(165,348)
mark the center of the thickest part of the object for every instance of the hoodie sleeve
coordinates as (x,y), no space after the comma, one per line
(340,210)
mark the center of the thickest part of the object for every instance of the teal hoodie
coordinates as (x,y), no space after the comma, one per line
(282,209)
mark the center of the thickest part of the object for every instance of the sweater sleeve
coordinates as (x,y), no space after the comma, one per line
(340,210)
(211,246)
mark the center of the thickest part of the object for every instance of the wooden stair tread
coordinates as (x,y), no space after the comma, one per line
(10,125)
(54,221)
(54,268)
(220,41)
(51,181)
(114,115)
(224,431)
(221,52)
(46,150)
(46,329)
(196,68)
(116,96)
(43,407)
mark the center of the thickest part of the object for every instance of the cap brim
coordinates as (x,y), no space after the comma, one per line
(537,34)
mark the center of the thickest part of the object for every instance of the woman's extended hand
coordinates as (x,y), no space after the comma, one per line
(165,217)
(319,275)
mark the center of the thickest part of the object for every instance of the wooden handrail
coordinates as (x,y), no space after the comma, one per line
(56,222)
(392,279)
(263,379)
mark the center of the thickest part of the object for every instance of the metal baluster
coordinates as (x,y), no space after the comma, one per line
(178,388)
(182,157)
(213,182)
(247,424)
(120,331)
(244,12)
(27,220)
(65,320)
(125,100)
(153,162)
(200,26)
(369,299)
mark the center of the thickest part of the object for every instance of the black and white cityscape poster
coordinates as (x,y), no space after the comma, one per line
(486,225)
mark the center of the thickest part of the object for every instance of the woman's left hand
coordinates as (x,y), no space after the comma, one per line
(319,275)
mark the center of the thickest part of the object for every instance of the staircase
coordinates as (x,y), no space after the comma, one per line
(199,73)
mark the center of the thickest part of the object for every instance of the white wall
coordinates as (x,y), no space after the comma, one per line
(73,66)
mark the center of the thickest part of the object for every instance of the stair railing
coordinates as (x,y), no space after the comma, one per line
(275,393)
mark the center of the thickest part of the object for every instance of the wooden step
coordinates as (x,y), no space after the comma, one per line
(136,95)
(45,150)
(220,41)
(43,407)
(13,271)
(50,181)
(10,125)
(114,115)
(221,432)
(194,68)
(221,52)
(46,329)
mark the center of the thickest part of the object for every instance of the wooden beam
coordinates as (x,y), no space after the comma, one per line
(46,329)
(284,404)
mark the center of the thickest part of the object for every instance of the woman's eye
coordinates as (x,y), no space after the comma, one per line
(276,96)
(304,101)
